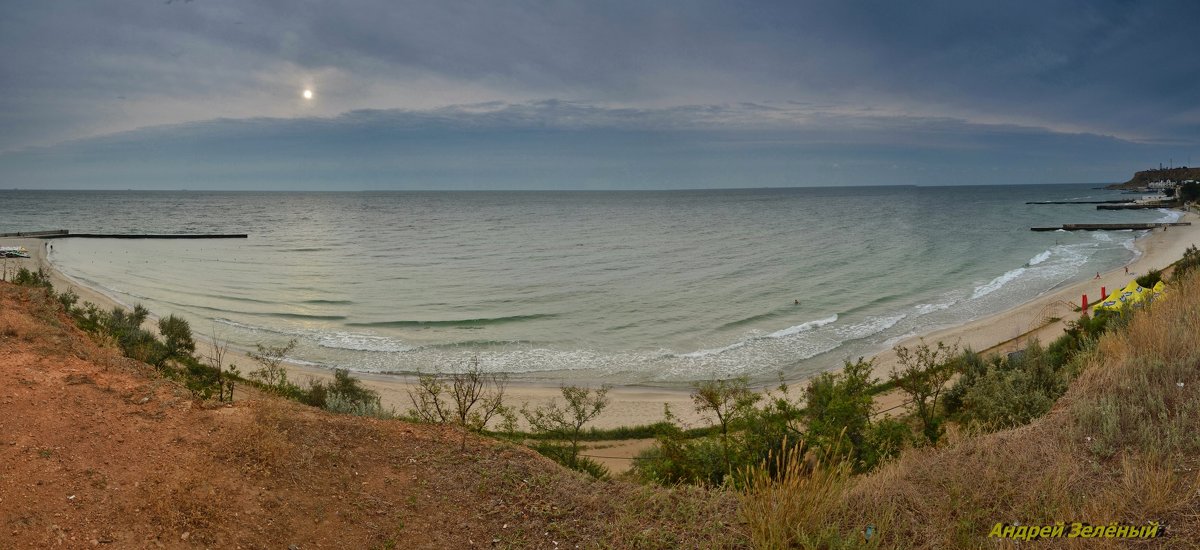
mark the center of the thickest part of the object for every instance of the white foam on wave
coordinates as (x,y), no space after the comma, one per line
(995,284)
(1128,244)
(711,352)
(924,309)
(361,342)
(784,333)
(1169,216)
(1045,255)
(257,328)
(302,362)
(1102,236)
(332,340)
(873,325)
(803,327)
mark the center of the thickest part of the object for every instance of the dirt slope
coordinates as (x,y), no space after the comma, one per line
(97,450)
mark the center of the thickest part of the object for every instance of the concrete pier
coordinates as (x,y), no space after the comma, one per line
(64,234)
(1132,206)
(1122,201)
(1108,226)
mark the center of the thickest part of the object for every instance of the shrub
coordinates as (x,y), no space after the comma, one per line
(37,278)
(562,454)
(177,342)
(68,300)
(838,412)
(566,422)
(126,330)
(271,371)
(676,458)
(342,405)
(1002,392)
(344,394)
(468,399)
(730,401)
(1151,278)
(922,375)
(1190,260)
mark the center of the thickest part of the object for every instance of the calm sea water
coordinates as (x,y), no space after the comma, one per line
(631,287)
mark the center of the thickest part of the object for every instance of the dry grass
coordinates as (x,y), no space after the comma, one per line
(793,507)
(1122,445)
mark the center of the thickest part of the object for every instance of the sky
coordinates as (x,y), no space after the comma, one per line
(210,94)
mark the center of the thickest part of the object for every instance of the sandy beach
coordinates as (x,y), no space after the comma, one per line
(632,405)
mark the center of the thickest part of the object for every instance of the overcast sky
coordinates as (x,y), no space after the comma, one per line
(564,95)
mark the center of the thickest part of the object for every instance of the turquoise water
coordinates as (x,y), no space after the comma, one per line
(629,287)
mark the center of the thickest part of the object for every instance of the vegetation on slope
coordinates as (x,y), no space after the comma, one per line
(1121,447)
(100,448)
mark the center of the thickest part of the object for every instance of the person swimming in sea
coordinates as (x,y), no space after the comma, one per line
(797,302)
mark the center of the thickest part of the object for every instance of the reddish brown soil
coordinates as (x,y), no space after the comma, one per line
(98,450)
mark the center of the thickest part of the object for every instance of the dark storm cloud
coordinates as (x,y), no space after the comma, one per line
(862,72)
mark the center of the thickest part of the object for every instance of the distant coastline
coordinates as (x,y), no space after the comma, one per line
(1144,178)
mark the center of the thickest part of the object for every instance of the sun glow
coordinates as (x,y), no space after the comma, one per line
(308,94)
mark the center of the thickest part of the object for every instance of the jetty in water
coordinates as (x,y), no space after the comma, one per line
(1082,202)
(1108,226)
(64,234)
(1132,206)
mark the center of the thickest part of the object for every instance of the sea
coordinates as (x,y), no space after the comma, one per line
(627,287)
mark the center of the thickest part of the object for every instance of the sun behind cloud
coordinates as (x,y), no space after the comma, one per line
(307,93)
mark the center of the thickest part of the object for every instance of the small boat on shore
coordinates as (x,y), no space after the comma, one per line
(13,252)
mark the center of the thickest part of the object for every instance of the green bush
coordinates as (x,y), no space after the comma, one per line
(836,423)
(1190,260)
(1003,392)
(678,459)
(1151,278)
(563,454)
(344,394)
(37,278)
(565,423)
(884,441)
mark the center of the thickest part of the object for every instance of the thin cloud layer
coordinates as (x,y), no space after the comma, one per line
(561,145)
(944,76)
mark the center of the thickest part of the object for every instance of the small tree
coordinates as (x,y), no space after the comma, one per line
(271,372)
(729,400)
(177,340)
(923,374)
(839,410)
(126,330)
(469,399)
(216,360)
(566,423)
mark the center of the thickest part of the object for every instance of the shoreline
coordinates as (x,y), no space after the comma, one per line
(640,404)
